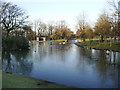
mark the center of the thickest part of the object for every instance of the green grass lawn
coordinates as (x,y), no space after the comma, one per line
(90,42)
(115,46)
(20,81)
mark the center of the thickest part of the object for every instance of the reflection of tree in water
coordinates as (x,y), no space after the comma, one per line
(61,51)
(108,57)
(90,54)
(101,64)
(19,54)
(85,55)
(106,71)
(6,57)
(16,62)
(56,50)
(113,57)
(37,51)
(85,59)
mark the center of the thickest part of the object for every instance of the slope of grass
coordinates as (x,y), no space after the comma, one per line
(19,81)
(115,46)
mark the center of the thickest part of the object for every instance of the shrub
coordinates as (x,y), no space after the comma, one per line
(15,43)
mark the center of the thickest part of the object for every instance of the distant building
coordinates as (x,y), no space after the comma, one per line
(40,38)
(44,38)
(37,38)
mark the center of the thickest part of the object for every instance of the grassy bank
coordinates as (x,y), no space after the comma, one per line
(115,46)
(60,40)
(19,81)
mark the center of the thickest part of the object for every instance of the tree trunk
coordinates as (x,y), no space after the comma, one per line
(115,38)
(83,39)
(102,38)
(8,33)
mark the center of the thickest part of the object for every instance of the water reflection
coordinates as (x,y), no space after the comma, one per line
(65,64)
(16,62)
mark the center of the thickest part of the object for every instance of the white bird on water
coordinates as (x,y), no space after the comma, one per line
(107,52)
(63,43)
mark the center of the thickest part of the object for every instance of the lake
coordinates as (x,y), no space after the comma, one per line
(67,64)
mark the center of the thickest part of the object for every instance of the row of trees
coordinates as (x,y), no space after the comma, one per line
(13,23)
(107,25)
(59,30)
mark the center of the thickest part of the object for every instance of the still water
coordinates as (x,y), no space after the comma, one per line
(65,64)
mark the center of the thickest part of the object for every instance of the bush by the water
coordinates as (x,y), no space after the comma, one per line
(15,43)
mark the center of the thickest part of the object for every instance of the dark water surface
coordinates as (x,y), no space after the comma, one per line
(65,64)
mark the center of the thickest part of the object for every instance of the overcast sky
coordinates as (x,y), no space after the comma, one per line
(56,10)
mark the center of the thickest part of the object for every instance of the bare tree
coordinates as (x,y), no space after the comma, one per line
(42,29)
(35,26)
(81,26)
(115,8)
(12,16)
(50,28)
